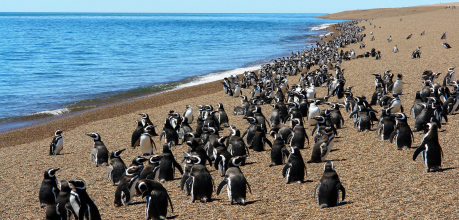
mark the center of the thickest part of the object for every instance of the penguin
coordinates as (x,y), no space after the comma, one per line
(146,142)
(418,104)
(168,164)
(169,132)
(396,104)
(48,189)
(222,157)
(81,203)
(237,91)
(146,121)
(336,116)
(259,139)
(117,167)
(443,36)
(398,85)
(52,212)
(235,182)
(395,49)
(446,45)
(200,184)
(157,199)
(126,189)
(188,114)
(150,170)
(99,154)
(386,124)
(186,170)
(236,145)
(329,187)
(196,149)
(389,39)
(313,112)
(298,135)
(402,135)
(136,133)
(295,169)
(275,117)
(222,117)
(63,200)
(277,153)
(57,144)
(430,149)
(250,132)
(322,147)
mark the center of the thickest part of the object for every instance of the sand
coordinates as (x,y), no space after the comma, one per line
(380,181)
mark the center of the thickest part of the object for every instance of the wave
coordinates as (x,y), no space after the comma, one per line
(321,27)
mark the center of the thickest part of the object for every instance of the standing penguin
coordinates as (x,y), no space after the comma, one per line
(48,190)
(329,187)
(200,184)
(323,146)
(222,116)
(136,134)
(313,112)
(277,153)
(146,121)
(295,169)
(57,144)
(430,149)
(126,189)
(398,85)
(298,137)
(81,203)
(63,200)
(168,164)
(150,170)
(146,142)
(157,199)
(236,145)
(169,132)
(259,139)
(99,154)
(117,167)
(402,134)
(188,114)
(235,182)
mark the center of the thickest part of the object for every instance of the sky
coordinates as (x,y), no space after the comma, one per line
(203,6)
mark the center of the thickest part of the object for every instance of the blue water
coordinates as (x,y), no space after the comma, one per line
(53,62)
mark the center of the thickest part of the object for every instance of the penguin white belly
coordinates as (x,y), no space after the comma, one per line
(398,87)
(313,112)
(75,203)
(59,146)
(310,93)
(396,106)
(146,146)
(189,115)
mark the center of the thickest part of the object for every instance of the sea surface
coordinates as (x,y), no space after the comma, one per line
(58,63)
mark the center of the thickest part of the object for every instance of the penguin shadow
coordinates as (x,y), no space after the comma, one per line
(334,150)
(343,203)
(307,181)
(137,203)
(171,217)
(443,169)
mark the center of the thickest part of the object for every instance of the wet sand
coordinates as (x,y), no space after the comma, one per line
(380,181)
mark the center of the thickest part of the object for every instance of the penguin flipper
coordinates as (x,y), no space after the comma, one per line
(286,167)
(170,202)
(109,172)
(222,184)
(268,141)
(315,189)
(343,191)
(161,136)
(245,132)
(189,184)
(323,148)
(418,151)
(217,161)
(392,135)
(182,183)
(177,165)
(314,129)
(248,185)
(136,143)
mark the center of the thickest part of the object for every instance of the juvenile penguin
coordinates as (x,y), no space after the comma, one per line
(99,154)
(157,199)
(329,187)
(200,184)
(117,167)
(235,182)
(81,203)
(402,135)
(126,189)
(48,190)
(57,144)
(168,164)
(295,169)
(430,149)
(146,142)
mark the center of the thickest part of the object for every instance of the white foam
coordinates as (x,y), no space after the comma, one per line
(321,27)
(53,112)
(217,76)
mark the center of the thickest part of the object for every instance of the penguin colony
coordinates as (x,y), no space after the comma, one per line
(295,106)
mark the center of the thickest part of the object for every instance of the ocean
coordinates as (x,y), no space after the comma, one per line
(58,64)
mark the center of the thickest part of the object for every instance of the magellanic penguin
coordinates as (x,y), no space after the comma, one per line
(236,145)
(298,135)
(277,153)
(329,187)
(313,112)
(57,144)
(136,134)
(52,212)
(117,167)
(168,164)
(222,116)
(126,189)
(259,139)
(398,85)
(169,132)
(402,134)
(81,203)
(146,121)
(146,142)
(157,199)
(150,171)
(235,182)
(295,169)
(63,200)
(200,184)
(189,114)
(430,149)
(48,190)
(99,154)
(323,146)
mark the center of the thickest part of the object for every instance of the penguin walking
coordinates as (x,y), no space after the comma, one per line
(430,149)
(222,117)
(117,167)
(57,144)
(48,189)
(200,184)
(126,189)
(157,199)
(188,114)
(329,187)
(235,182)
(81,203)
(295,169)
(168,164)
(99,153)
(146,142)
(402,135)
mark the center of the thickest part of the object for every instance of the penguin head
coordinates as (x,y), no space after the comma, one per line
(401,116)
(96,136)
(139,160)
(64,186)
(220,105)
(432,125)
(58,133)
(251,120)
(320,119)
(329,167)
(139,123)
(193,143)
(221,140)
(295,150)
(134,170)
(174,115)
(212,130)
(236,161)
(77,184)
(143,188)
(49,173)
(192,159)
(296,121)
(399,76)
(144,115)
(117,153)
